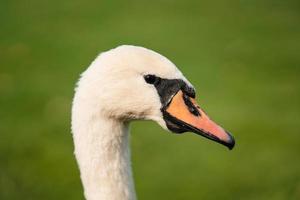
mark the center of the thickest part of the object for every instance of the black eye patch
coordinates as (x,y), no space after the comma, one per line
(166,88)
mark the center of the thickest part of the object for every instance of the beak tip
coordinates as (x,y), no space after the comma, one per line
(231,143)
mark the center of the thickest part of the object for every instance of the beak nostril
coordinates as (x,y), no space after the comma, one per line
(191,107)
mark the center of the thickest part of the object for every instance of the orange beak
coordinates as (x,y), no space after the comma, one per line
(183,114)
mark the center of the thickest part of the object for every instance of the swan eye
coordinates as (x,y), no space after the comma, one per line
(150,78)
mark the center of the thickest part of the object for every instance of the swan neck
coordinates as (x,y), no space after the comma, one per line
(103,155)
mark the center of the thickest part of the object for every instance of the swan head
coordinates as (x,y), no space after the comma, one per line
(130,83)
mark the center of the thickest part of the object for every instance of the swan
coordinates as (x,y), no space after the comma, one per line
(121,85)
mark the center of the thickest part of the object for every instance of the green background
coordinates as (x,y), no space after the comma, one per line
(242,57)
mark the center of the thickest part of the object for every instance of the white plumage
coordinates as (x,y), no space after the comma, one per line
(111,93)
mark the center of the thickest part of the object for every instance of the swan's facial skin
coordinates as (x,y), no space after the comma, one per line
(129,83)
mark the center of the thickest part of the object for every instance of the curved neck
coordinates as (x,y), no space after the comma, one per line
(102,152)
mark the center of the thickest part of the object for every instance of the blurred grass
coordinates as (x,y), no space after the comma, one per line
(242,56)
